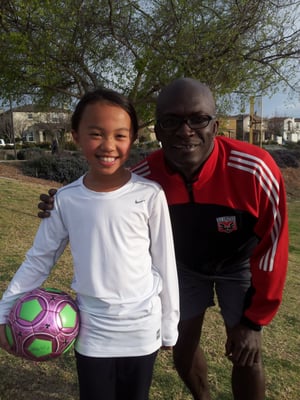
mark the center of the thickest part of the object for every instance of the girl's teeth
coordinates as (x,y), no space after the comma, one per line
(107,159)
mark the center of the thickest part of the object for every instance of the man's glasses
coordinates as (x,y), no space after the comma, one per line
(172,123)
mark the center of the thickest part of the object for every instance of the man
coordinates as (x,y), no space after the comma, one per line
(228,211)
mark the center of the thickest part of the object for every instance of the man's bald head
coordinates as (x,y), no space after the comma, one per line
(181,89)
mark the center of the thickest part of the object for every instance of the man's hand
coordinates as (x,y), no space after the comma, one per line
(3,340)
(243,346)
(46,205)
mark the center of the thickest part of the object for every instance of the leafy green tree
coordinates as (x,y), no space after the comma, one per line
(54,50)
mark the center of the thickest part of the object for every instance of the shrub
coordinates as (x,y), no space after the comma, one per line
(29,145)
(45,145)
(10,157)
(286,158)
(70,146)
(55,168)
(29,153)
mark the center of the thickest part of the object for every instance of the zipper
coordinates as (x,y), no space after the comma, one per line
(189,187)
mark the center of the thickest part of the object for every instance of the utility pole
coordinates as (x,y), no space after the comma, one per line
(256,114)
(261,124)
(12,127)
(251,119)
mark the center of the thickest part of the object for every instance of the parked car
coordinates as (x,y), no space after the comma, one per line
(3,144)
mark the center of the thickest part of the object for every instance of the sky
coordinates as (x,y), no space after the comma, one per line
(281,105)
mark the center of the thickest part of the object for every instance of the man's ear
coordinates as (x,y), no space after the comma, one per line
(216,127)
(157,132)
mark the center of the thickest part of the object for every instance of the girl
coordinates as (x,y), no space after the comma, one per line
(124,265)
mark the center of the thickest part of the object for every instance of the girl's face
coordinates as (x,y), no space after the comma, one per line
(105,137)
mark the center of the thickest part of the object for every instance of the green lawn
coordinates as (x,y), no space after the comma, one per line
(22,379)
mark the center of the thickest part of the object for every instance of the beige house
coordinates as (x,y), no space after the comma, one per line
(284,129)
(228,126)
(30,124)
(258,125)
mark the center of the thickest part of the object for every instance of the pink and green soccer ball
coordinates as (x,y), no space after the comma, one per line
(43,324)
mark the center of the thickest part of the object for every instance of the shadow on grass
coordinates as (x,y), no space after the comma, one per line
(21,379)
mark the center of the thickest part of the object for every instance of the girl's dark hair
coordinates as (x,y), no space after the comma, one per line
(105,96)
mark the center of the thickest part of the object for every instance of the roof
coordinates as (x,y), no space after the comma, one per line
(38,109)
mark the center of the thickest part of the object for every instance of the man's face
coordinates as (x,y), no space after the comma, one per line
(186,127)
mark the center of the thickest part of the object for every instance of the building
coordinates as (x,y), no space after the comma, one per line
(239,127)
(284,129)
(30,123)
(228,126)
(251,129)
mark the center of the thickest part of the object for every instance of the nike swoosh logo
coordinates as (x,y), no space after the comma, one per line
(139,201)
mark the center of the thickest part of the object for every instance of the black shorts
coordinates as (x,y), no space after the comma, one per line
(197,293)
(120,378)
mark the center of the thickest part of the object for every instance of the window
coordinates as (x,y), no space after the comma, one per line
(54,118)
(29,136)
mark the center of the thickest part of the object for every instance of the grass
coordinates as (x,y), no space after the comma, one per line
(21,379)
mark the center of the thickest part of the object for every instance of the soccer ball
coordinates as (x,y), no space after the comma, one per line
(43,324)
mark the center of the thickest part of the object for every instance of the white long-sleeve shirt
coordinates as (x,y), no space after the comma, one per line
(124,266)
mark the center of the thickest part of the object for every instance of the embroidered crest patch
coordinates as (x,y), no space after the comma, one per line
(227,224)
